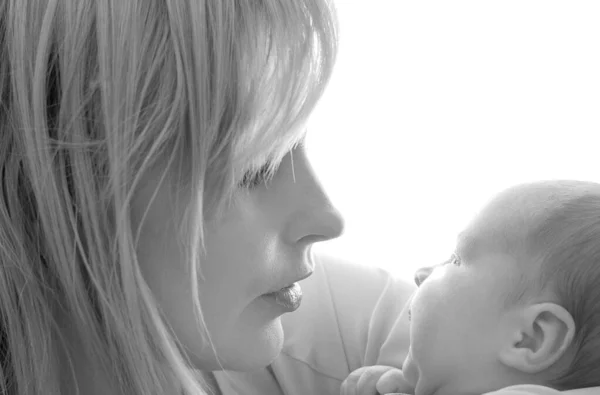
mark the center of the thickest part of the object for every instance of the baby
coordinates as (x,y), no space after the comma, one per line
(515,309)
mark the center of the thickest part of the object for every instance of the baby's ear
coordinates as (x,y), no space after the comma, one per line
(543,334)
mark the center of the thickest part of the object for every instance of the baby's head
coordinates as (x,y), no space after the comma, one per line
(519,300)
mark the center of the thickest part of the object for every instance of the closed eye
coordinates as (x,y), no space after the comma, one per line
(454,260)
(253,179)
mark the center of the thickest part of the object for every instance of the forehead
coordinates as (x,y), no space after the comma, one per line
(501,226)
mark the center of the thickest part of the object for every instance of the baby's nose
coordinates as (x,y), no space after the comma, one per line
(422,274)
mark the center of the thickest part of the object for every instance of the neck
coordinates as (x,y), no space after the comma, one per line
(82,375)
(211,383)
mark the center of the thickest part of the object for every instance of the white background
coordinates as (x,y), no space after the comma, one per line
(435,106)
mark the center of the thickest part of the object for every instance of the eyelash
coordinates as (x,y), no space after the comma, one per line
(252,179)
(454,259)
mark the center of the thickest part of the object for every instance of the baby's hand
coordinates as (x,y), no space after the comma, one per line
(375,380)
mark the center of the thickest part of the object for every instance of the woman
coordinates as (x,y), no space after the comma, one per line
(158,207)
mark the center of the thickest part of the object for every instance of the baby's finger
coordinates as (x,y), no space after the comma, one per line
(368,380)
(350,385)
(393,381)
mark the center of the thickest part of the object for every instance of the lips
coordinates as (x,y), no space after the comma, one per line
(287,293)
(288,297)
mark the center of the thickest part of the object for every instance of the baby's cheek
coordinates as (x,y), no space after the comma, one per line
(425,324)
(422,310)
(410,370)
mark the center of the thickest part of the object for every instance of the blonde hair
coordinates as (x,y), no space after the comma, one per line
(94,94)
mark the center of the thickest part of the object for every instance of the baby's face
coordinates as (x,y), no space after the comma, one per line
(458,313)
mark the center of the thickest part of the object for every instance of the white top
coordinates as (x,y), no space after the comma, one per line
(530,389)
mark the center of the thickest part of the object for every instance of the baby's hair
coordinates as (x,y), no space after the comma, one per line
(566,242)
(94,94)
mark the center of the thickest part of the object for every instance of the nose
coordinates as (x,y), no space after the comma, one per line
(315,225)
(422,274)
(314,218)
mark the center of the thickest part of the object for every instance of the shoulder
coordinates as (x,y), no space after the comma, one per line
(357,284)
(525,389)
(356,292)
(347,314)
(530,389)
(584,391)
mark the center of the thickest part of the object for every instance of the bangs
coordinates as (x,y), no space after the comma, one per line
(286,51)
(250,72)
(271,63)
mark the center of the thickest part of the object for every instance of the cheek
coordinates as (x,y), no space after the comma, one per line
(239,267)
(432,318)
(244,328)
(165,270)
(420,322)
(224,281)
(235,269)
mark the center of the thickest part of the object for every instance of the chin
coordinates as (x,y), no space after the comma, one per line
(253,349)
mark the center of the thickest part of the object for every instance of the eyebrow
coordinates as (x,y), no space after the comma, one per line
(468,246)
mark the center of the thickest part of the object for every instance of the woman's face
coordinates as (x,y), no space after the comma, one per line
(260,245)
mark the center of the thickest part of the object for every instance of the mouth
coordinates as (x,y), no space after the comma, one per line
(288,294)
(288,297)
